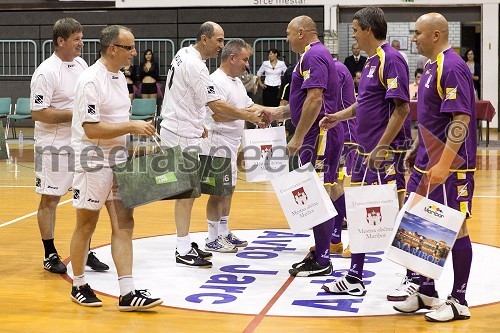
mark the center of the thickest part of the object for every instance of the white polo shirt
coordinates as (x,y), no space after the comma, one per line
(187,91)
(272,74)
(232,91)
(100,96)
(53,85)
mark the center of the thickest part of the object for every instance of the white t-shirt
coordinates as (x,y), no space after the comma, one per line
(53,85)
(100,96)
(187,91)
(232,91)
(272,75)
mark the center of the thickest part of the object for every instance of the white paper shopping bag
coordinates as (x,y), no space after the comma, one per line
(303,198)
(264,151)
(371,213)
(425,232)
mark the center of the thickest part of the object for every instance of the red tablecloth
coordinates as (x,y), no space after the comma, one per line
(484,110)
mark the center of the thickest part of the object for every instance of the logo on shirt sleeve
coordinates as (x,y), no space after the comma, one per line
(392,83)
(38,99)
(306,74)
(91,109)
(211,89)
(451,93)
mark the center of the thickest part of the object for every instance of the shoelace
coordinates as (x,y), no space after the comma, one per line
(143,292)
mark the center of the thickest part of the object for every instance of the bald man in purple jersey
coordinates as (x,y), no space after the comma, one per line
(313,93)
(444,156)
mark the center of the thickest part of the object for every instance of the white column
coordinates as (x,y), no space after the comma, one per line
(489,57)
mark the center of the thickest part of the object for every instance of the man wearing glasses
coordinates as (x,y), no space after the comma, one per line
(99,137)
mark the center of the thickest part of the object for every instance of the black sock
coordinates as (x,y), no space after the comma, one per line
(48,244)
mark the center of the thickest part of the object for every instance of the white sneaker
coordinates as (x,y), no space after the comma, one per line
(220,244)
(405,289)
(346,285)
(449,311)
(418,301)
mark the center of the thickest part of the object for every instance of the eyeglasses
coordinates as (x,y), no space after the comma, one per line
(126,47)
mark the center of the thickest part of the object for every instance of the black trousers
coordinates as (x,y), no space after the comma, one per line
(270,96)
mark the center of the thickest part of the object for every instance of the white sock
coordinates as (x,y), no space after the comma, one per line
(183,245)
(224,226)
(79,280)
(126,283)
(213,230)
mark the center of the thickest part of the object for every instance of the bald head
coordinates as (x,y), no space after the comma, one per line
(431,34)
(433,22)
(304,22)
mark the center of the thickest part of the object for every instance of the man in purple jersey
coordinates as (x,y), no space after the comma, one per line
(313,94)
(348,158)
(383,128)
(444,155)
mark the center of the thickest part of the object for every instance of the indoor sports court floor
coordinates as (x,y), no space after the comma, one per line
(250,291)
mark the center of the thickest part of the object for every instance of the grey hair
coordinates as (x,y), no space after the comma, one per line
(372,17)
(206,29)
(234,46)
(109,35)
(64,28)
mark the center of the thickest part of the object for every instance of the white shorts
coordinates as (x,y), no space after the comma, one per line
(171,139)
(54,173)
(222,146)
(92,189)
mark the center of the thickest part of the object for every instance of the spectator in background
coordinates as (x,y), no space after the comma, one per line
(149,73)
(414,86)
(130,73)
(272,69)
(397,45)
(355,62)
(356,78)
(421,60)
(475,70)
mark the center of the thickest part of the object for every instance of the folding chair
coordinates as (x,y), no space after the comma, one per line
(5,108)
(22,110)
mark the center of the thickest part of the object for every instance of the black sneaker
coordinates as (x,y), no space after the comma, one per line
(84,295)
(138,300)
(201,253)
(54,264)
(192,259)
(309,255)
(309,267)
(95,263)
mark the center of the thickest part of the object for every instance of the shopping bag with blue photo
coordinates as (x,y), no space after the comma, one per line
(303,198)
(264,152)
(148,178)
(424,234)
(371,213)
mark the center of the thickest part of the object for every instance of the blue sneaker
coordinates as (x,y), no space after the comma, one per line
(220,244)
(231,238)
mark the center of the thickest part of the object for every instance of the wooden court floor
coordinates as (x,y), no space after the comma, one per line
(33,300)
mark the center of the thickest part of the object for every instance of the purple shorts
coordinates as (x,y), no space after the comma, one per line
(391,171)
(323,150)
(459,188)
(349,160)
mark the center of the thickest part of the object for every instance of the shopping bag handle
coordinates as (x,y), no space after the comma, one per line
(445,198)
(364,177)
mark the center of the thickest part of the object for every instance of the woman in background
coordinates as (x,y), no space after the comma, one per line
(149,73)
(272,69)
(475,70)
